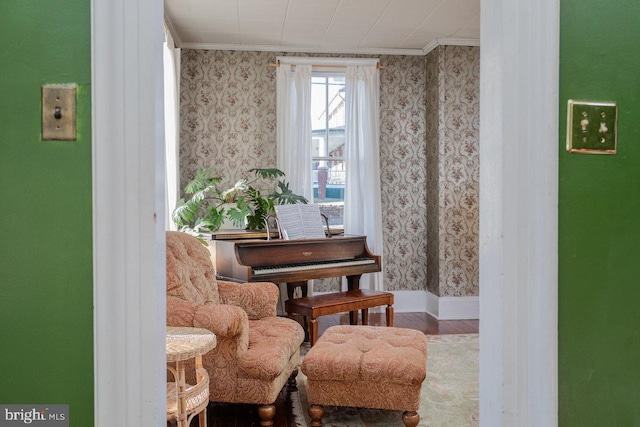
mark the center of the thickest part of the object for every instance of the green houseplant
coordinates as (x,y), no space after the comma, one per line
(205,206)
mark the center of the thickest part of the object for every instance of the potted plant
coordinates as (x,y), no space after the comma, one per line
(205,206)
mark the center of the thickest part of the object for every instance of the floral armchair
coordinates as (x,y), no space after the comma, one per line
(256,351)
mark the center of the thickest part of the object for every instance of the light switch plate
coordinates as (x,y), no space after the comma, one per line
(59,112)
(592,127)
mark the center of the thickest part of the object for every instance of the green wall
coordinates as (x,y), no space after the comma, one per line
(46,297)
(599,221)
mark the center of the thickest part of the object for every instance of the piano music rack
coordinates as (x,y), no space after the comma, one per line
(256,234)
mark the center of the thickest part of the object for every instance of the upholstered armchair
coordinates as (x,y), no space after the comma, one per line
(256,351)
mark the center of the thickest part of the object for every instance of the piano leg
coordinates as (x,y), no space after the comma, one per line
(353,283)
(304,288)
(291,288)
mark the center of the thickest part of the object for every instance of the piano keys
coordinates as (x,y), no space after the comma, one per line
(261,271)
(295,261)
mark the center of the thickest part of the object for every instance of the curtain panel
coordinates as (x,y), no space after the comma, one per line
(171,60)
(293,111)
(363,210)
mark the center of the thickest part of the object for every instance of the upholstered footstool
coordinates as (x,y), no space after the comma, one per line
(366,367)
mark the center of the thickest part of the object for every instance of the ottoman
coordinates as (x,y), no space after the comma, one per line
(366,367)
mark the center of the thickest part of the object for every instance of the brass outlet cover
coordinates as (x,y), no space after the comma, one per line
(592,127)
(59,112)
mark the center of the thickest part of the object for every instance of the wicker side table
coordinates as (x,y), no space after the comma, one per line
(184,400)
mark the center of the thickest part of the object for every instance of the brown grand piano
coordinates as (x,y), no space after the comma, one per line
(295,261)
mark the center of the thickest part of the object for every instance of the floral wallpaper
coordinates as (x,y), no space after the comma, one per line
(453,167)
(403,169)
(228,124)
(227,113)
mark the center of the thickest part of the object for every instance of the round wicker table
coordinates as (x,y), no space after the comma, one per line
(184,400)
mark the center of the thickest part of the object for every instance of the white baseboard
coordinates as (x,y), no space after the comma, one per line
(409,301)
(453,308)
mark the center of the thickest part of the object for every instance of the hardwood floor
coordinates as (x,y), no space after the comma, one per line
(420,321)
(234,415)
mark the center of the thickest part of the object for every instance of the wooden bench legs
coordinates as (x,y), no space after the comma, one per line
(316,412)
(365,316)
(339,302)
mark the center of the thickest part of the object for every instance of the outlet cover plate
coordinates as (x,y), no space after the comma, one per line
(592,127)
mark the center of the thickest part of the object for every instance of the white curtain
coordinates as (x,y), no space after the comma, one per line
(363,211)
(171,59)
(293,103)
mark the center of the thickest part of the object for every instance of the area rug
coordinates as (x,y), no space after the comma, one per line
(449,396)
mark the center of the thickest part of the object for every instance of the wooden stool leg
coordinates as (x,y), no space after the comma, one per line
(365,316)
(292,383)
(266,414)
(389,313)
(316,412)
(353,317)
(410,418)
(313,331)
(305,325)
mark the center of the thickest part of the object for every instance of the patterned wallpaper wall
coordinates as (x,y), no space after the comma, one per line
(402,169)
(453,167)
(433,102)
(228,124)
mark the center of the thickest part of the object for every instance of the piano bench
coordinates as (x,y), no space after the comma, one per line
(339,302)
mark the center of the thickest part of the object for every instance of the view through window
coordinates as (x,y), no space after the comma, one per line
(328,144)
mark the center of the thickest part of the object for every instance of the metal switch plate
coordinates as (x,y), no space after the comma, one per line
(59,112)
(592,127)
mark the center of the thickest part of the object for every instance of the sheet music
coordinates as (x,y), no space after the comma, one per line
(300,221)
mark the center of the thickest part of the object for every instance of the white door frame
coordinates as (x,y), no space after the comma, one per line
(518,212)
(128,212)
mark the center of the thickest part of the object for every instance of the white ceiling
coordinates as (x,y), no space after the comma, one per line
(411,27)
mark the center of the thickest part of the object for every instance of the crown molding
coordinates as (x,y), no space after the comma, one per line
(307,49)
(175,35)
(449,42)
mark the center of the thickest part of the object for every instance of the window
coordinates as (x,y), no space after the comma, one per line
(328,143)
